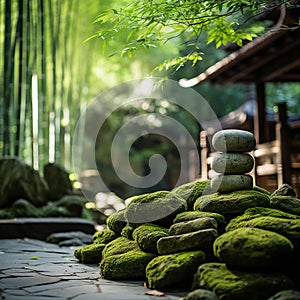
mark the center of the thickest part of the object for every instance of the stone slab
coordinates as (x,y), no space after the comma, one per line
(54,274)
(41,228)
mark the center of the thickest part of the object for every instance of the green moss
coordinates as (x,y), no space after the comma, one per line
(117,221)
(23,208)
(147,198)
(287,204)
(256,212)
(286,295)
(127,232)
(237,285)
(90,253)
(232,203)
(119,246)
(284,190)
(159,208)
(260,189)
(147,235)
(201,294)
(253,249)
(129,265)
(104,236)
(290,228)
(173,271)
(192,190)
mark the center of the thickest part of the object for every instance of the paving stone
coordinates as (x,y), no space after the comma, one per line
(14,292)
(30,297)
(34,270)
(70,292)
(53,286)
(20,282)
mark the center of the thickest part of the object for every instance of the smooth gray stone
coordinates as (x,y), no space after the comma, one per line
(233,140)
(229,183)
(232,163)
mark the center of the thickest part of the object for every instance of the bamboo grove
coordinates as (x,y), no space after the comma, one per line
(44,82)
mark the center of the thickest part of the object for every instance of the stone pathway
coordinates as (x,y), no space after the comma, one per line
(35,270)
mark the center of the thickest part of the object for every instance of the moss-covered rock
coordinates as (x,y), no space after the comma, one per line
(21,181)
(119,246)
(286,295)
(253,249)
(117,221)
(232,203)
(193,225)
(289,228)
(284,190)
(199,240)
(147,235)
(192,190)
(237,285)
(174,270)
(73,203)
(260,189)
(255,212)
(23,208)
(127,232)
(201,294)
(158,207)
(104,236)
(192,215)
(90,253)
(129,265)
(289,204)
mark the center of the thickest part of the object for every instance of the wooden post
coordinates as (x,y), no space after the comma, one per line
(260,114)
(282,135)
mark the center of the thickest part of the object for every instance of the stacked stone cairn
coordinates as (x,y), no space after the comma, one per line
(232,163)
(237,243)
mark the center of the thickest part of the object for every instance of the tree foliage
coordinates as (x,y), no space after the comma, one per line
(151,23)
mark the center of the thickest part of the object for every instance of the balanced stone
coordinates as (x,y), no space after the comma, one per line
(233,140)
(229,183)
(232,163)
(199,240)
(253,249)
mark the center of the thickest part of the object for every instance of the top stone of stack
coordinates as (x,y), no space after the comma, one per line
(233,140)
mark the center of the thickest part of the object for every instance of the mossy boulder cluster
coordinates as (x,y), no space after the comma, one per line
(219,239)
(26,193)
(235,245)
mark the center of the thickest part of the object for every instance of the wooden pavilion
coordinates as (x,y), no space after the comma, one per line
(273,57)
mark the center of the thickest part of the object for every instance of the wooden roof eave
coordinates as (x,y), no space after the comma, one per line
(246,65)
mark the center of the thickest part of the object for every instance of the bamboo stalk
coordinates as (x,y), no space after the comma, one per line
(7,78)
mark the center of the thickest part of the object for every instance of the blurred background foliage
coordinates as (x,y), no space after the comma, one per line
(54,63)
